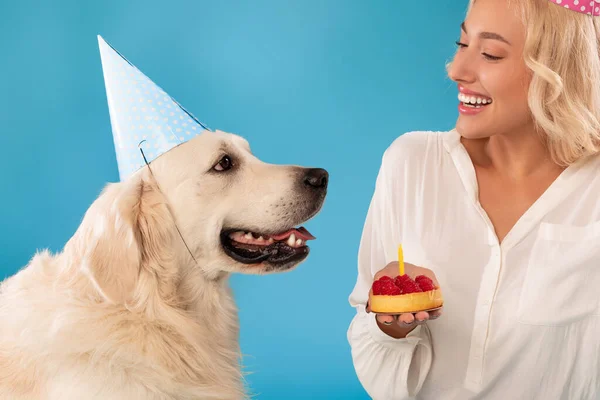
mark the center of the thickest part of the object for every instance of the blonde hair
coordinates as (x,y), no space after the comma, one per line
(562,49)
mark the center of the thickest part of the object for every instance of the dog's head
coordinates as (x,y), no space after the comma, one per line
(235,212)
(208,203)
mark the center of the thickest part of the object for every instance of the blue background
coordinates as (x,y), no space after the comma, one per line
(320,83)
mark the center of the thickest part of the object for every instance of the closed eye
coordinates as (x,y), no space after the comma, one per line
(485,55)
(491,57)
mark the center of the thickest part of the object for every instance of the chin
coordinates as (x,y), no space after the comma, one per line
(472,130)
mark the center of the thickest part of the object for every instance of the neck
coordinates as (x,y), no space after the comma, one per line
(198,289)
(518,156)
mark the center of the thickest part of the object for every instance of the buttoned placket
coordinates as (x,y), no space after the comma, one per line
(483,310)
(489,278)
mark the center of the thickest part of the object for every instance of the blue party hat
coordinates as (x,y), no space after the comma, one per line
(146,121)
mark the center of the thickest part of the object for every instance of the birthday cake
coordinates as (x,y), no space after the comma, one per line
(402,294)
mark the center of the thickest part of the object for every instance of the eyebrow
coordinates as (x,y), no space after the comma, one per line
(243,143)
(487,35)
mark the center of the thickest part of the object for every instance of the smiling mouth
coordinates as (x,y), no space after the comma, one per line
(474,101)
(280,248)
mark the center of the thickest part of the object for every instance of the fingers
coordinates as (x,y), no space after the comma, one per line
(421,316)
(408,319)
(413,319)
(386,319)
(435,314)
(402,319)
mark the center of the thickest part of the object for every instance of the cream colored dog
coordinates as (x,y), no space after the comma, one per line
(137,305)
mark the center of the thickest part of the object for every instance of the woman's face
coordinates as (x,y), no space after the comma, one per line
(490,72)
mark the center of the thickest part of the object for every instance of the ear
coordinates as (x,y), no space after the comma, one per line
(124,236)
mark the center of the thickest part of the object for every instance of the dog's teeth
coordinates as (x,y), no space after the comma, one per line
(261,239)
(248,235)
(270,241)
(291,240)
(298,242)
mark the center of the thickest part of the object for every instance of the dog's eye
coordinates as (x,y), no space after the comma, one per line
(224,164)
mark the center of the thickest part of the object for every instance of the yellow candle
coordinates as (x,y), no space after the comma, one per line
(400,260)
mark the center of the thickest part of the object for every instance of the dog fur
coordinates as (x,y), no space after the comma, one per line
(137,304)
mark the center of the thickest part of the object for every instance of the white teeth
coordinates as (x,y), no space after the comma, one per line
(248,238)
(473,100)
(291,240)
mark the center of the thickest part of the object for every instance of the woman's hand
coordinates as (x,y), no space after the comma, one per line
(398,326)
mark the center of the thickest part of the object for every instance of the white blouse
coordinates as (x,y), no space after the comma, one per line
(521,319)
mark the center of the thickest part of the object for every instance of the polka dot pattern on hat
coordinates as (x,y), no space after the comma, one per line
(589,7)
(142,115)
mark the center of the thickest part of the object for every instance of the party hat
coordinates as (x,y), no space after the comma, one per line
(146,121)
(589,7)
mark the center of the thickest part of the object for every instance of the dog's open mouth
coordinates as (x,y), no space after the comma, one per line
(251,247)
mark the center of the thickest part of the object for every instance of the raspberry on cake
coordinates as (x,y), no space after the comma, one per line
(404,295)
(387,287)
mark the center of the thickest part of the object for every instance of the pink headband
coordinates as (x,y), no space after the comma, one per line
(589,7)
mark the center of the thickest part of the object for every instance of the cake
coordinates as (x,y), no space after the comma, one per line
(402,294)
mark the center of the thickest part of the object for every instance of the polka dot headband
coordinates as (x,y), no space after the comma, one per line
(589,7)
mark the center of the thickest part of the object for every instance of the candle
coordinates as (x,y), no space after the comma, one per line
(400,260)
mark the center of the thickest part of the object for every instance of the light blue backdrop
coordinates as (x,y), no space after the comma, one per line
(320,83)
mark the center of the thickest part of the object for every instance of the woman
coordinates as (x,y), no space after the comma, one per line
(504,212)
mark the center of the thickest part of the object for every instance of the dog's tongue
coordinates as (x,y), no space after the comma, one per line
(300,233)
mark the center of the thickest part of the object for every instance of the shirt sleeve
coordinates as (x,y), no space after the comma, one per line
(387,368)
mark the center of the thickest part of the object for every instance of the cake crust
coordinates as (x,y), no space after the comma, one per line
(406,303)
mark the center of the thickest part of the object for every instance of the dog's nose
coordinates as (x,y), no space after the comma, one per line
(317,178)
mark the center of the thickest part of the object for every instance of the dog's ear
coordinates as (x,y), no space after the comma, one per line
(125,240)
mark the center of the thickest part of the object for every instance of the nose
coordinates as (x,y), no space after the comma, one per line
(316,178)
(461,69)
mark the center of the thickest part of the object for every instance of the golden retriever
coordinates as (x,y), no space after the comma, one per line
(137,304)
